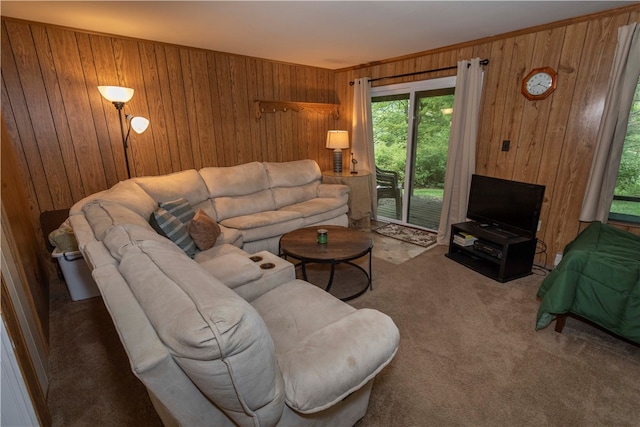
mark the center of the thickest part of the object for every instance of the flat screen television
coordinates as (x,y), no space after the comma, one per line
(505,205)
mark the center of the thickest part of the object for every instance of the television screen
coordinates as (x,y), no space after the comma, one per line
(510,206)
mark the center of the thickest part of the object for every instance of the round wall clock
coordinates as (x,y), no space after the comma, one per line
(539,83)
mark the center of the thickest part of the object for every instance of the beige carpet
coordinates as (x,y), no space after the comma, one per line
(468,356)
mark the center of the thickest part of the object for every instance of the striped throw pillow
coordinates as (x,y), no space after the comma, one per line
(180,208)
(170,226)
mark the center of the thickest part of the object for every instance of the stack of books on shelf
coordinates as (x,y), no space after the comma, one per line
(464,239)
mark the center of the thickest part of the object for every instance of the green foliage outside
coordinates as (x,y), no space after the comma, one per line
(433,121)
(628,183)
(390,127)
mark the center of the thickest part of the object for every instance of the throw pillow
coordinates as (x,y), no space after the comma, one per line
(171,227)
(180,208)
(203,230)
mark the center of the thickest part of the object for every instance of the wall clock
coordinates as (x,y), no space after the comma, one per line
(539,83)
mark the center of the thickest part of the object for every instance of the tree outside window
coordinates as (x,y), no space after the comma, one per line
(626,200)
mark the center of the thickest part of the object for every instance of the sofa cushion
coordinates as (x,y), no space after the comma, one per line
(187,184)
(292,174)
(233,269)
(218,250)
(203,230)
(171,227)
(104,214)
(262,219)
(316,206)
(284,196)
(335,191)
(326,349)
(238,180)
(232,206)
(215,336)
(180,208)
(121,238)
(264,225)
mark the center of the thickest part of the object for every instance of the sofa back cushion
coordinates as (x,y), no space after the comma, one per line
(125,193)
(292,174)
(215,336)
(187,184)
(104,214)
(238,180)
(293,182)
(231,207)
(287,196)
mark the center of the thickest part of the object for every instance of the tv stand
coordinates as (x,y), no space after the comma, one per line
(500,255)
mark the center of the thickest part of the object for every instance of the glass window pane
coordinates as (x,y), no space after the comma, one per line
(626,201)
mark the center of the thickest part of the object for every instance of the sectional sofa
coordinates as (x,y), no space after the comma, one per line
(219,330)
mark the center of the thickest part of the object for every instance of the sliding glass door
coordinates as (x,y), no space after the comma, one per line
(411,124)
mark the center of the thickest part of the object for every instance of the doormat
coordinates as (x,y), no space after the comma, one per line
(416,236)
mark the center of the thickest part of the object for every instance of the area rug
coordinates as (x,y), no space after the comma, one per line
(416,236)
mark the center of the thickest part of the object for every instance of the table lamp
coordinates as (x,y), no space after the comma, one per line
(337,139)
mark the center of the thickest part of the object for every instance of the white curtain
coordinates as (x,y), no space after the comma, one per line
(362,135)
(623,79)
(461,158)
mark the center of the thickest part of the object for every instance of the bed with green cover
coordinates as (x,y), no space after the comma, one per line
(598,279)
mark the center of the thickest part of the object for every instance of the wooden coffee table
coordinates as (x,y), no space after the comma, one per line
(344,245)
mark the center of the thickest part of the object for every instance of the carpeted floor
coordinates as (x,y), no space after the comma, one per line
(468,356)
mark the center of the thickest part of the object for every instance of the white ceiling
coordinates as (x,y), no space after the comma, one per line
(328,34)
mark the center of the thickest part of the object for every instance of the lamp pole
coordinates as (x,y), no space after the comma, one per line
(119,106)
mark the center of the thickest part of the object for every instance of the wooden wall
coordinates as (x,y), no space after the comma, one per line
(552,140)
(200,104)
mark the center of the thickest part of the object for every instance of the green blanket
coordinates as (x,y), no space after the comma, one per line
(598,279)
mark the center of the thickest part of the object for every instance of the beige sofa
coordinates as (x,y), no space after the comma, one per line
(228,336)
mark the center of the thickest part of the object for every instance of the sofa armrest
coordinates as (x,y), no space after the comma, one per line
(335,191)
(232,269)
(82,230)
(337,360)
(229,236)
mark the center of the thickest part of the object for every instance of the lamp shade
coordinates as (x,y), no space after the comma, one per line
(116,93)
(338,139)
(139,124)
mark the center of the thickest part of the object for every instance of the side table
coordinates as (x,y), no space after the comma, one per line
(359,196)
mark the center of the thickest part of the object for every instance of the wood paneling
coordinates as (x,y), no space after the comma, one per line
(200,104)
(24,241)
(552,140)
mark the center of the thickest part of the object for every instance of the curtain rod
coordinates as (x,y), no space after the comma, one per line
(482,62)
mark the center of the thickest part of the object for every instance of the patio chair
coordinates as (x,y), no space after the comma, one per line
(388,187)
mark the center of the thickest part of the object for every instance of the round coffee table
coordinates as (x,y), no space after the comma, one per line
(343,246)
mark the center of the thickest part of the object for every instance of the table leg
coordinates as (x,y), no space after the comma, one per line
(333,269)
(370,279)
(304,270)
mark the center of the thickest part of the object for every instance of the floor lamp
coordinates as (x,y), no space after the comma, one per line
(337,139)
(119,96)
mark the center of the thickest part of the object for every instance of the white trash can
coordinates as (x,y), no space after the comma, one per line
(77,275)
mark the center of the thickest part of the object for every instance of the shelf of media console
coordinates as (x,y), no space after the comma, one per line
(511,257)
